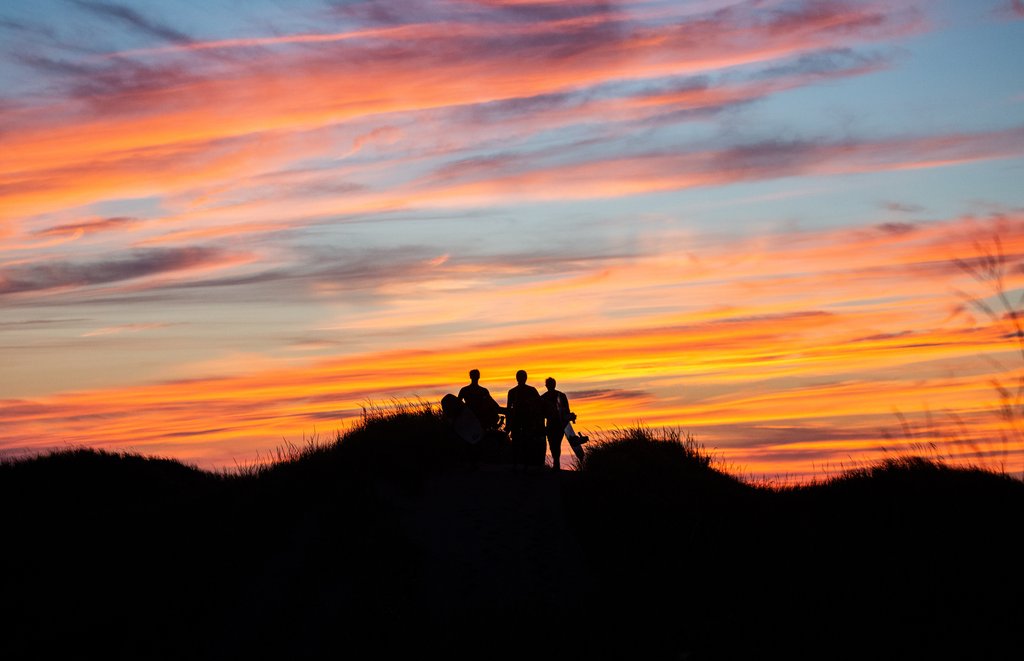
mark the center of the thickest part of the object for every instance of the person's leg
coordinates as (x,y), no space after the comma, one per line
(555,445)
(538,447)
(521,448)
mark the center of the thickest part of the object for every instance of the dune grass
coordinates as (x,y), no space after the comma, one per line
(315,554)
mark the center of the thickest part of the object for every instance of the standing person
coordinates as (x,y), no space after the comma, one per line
(524,416)
(479,401)
(558,415)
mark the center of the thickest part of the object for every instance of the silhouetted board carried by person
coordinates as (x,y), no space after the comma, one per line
(524,418)
(576,441)
(464,423)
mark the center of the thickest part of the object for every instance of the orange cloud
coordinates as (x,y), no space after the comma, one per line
(780,383)
(197,124)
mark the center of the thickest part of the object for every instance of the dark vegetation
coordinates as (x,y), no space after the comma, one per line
(388,542)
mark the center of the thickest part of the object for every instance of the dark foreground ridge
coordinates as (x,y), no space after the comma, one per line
(389,543)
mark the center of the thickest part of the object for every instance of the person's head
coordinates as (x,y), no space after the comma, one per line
(474,375)
(550,383)
(521,377)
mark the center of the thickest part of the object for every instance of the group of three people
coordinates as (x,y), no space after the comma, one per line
(531,418)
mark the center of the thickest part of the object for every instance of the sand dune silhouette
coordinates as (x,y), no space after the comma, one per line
(390,542)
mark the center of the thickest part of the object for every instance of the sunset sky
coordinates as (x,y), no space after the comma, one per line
(225,224)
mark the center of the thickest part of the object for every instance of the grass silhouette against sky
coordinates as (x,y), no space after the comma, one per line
(386,542)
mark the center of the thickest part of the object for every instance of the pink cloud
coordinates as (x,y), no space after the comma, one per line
(125,328)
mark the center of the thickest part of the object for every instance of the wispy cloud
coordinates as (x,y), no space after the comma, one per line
(663,170)
(85,227)
(127,90)
(902,207)
(139,264)
(132,19)
(38,323)
(125,328)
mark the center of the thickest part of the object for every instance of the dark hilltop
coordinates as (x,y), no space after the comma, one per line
(389,543)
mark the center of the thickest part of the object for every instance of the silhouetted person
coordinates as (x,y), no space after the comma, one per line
(557,415)
(524,417)
(480,402)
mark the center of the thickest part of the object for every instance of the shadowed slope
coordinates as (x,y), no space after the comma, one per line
(388,541)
